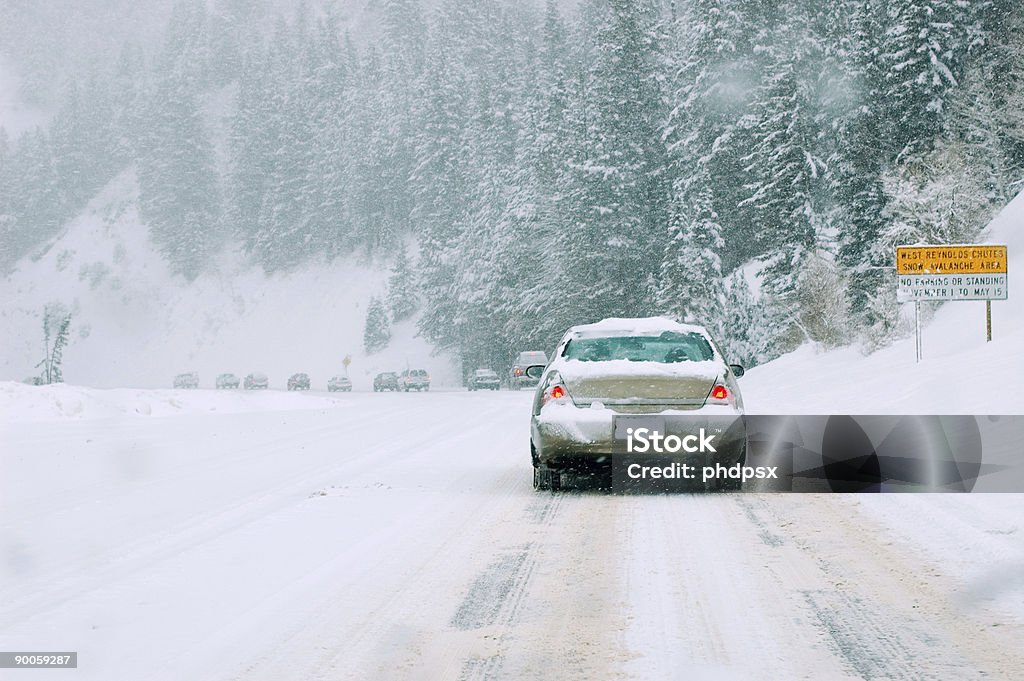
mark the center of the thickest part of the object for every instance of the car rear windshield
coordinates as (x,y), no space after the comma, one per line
(486,373)
(669,347)
(418,372)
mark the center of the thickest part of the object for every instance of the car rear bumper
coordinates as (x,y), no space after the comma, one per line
(568,438)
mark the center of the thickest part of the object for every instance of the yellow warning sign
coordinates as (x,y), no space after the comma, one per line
(959,259)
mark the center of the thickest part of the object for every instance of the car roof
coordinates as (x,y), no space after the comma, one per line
(633,326)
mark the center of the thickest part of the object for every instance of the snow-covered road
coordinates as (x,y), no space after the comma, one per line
(386,536)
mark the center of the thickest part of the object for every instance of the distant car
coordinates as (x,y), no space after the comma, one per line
(339,384)
(483,379)
(188,381)
(227,382)
(387,380)
(414,379)
(517,377)
(298,382)
(627,367)
(257,380)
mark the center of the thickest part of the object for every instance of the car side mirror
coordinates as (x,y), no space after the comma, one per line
(535,370)
(737,370)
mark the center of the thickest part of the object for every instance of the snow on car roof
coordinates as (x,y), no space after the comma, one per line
(634,326)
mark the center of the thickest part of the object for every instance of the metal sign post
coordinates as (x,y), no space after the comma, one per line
(948,273)
(917,330)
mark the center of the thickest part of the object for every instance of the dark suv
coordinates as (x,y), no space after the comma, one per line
(298,382)
(414,379)
(483,379)
(387,380)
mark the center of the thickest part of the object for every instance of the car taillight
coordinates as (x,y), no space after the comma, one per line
(556,392)
(720,394)
(518,372)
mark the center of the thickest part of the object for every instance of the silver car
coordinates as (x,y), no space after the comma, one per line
(339,383)
(189,380)
(619,368)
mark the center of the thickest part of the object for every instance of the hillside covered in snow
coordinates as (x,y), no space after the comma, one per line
(136,323)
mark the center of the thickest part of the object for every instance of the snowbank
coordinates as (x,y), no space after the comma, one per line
(960,374)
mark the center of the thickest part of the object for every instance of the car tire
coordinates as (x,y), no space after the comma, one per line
(730,484)
(546,479)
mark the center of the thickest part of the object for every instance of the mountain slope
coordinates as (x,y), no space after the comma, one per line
(136,324)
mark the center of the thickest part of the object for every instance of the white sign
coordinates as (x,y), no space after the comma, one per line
(915,287)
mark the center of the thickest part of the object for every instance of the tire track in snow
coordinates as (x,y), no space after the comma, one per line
(382,620)
(885,613)
(496,595)
(877,645)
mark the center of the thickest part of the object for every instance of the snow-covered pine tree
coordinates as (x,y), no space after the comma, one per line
(329,88)
(8,248)
(923,48)
(38,204)
(535,222)
(402,296)
(617,191)
(251,141)
(178,188)
(285,233)
(441,180)
(746,336)
(710,68)
(857,163)
(788,173)
(377,331)
(690,281)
